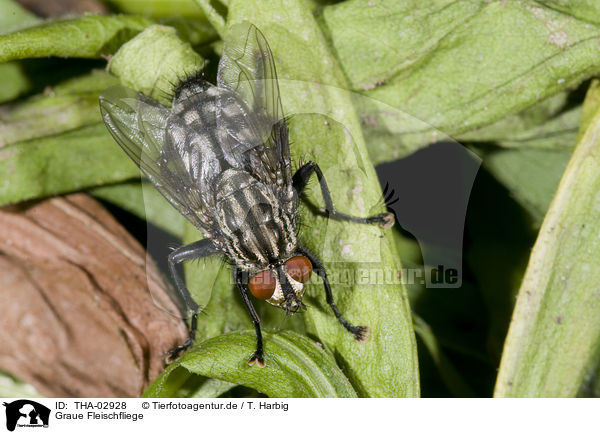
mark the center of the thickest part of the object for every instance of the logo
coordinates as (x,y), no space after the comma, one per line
(26,413)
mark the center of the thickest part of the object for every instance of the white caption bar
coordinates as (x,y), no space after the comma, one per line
(266,415)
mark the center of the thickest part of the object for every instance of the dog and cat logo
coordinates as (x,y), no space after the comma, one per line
(26,413)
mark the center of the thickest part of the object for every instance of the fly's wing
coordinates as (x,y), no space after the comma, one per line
(249,106)
(138,124)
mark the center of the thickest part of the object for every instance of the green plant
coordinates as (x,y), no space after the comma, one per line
(505,78)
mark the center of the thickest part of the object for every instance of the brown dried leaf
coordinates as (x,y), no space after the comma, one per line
(83,314)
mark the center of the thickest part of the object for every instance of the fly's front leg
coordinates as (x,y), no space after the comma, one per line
(198,249)
(300,179)
(257,357)
(361,333)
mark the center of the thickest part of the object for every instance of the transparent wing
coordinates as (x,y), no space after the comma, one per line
(247,68)
(250,111)
(139,124)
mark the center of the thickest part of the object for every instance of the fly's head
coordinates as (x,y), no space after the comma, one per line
(282,283)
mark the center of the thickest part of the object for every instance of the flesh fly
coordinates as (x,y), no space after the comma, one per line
(220,155)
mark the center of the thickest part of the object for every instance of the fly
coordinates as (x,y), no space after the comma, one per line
(221,157)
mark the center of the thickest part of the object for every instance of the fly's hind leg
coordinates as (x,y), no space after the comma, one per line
(300,179)
(196,250)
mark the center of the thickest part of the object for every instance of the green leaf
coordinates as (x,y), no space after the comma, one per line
(377,41)
(590,106)
(197,32)
(46,116)
(585,10)
(42,133)
(462,65)
(159,8)
(209,388)
(13,80)
(213,15)
(501,235)
(551,124)
(184,15)
(13,16)
(144,201)
(449,374)
(531,175)
(552,344)
(296,367)
(11,387)
(90,36)
(65,107)
(65,126)
(36,168)
(154,61)
(528,152)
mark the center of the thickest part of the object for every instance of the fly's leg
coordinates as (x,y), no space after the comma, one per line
(257,357)
(300,179)
(361,333)
(196,250)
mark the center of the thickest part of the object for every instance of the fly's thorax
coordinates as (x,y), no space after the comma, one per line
(187,90)
(255,226)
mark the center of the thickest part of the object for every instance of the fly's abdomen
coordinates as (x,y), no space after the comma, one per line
(256,230)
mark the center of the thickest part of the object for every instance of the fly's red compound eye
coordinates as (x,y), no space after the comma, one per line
(299,268)
(262,285)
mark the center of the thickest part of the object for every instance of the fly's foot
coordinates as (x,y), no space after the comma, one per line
(385,220)
(177,351)
(361,333)
(257,359)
